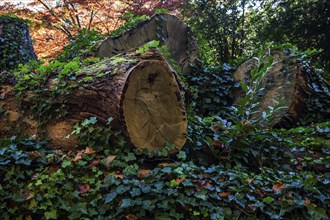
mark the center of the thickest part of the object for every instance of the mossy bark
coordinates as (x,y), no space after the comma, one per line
(167,29)
(139,91)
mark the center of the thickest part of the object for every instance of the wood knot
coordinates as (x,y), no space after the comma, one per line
(152,77)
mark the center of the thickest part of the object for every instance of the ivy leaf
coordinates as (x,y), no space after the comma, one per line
(182,155)
(154,43)
(125,203)
(52,214)
(268,199)
(92,120)
(110,197)
(66,164)
(130,157)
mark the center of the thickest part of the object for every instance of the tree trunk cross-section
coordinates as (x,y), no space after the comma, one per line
(152,107)
(139,91)
(167,29)
(295,85)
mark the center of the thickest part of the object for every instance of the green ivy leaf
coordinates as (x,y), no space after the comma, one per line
(52,214)
(268,199)
(66,164)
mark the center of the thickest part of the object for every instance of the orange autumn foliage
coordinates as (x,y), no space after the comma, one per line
(55,23)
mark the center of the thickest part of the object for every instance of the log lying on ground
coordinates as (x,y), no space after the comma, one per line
(139,91)
(167,29)
(294,84)
(15,43)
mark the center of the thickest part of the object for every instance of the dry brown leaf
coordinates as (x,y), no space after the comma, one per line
(93,163)
(224,194)
(163,164)
(261,193)
(180,180)
(143,172)
(249,180)
(34,154)
(278,186)
(84,188)
(78,157)
(110,159)
(131,217)
(119,176)
(217,144)
(89,151)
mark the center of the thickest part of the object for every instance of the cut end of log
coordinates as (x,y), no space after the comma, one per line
(152,107)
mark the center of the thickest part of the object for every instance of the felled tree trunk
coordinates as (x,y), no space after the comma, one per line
(15,43)
(167,29)
(139,91)
(292,83)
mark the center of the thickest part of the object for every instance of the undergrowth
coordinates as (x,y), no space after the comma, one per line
(292,181)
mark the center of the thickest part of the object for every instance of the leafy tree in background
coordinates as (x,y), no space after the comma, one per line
(303,23)
(219,26)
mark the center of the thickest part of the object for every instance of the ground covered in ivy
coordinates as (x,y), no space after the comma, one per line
(271,174)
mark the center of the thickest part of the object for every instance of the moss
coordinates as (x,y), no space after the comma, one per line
(107,66)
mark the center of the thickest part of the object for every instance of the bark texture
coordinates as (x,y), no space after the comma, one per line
(139,91)
(168,29)
(15,43)
(293,83)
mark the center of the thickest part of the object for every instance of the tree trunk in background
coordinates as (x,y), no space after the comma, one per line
(139,91)
(15,43)
(167,29)
(294,84)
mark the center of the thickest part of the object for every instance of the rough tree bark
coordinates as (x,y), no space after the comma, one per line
(15,43)
(139,91)
(168,29)
(294,84)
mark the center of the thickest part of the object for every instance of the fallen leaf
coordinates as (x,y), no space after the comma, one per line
(307,202)
(84,188)
(252,207)
(180,180)
(34,154)
(93,163)
(278,186)
(217,144)
(89,151)
(249,180)
(53,168)
(119,176)
(28,195)
(110,159)
(163,164)
(143,172)
(131,217)
(224,194)
(261,193)
(78,157)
